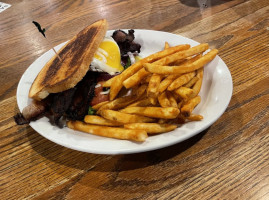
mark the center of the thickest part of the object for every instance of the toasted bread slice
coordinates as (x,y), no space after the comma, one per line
(60,75)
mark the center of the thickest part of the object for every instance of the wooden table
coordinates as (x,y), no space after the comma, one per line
(229,160)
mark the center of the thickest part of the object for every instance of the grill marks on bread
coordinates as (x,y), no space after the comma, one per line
(74,51)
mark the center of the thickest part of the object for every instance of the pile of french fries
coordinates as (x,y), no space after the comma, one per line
(162,91)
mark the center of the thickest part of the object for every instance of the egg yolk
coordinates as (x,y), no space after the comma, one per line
(109,54)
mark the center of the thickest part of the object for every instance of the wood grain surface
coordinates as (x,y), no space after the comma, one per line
(229,160)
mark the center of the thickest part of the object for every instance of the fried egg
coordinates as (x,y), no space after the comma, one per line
(107,58)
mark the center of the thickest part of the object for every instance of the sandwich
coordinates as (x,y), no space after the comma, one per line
(60,75)
(66,85)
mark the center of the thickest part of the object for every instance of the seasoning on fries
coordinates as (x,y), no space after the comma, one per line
(112,132)
(151,128)
(164,91)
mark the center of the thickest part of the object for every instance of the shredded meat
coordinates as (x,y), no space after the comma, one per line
(60,103)
(82,97)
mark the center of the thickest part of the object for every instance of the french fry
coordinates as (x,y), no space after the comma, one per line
(188,107)
(97,106)
(163,100)
(181,55)
(181,80)
(200,73)
(141,103)
(171,99)
(118,103)
(160,69)
(115,87)
(167,81)
(153,100)
(179,62)
(112,132)
(135,79)
(140,90)
(179,104)
(185,60)
(146,79)
(166,45)
(170,78)
(191,82)
(151,128)
(197,86)
(117,83)
(154,112)
(193,117)
(108,82)
(124,118)
(184,93)
(164,121)
(153,86)
(94,119)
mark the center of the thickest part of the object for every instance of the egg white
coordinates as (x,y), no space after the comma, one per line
(100,65)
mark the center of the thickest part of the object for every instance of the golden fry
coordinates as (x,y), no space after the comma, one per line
(188,107)
(97,106)
(159,69)
(191,82)
(118,103)
(115,87)
(155,112)
(112,132)
(124,118)
(146,79)
(181,55)
(193,117)
(153,100)
(167,81)
(163,100)
(94,119)
(197,86)
(141,103)
(179,62)
(135,79)
(153,86)
(171,99)
(181,80)
(179,104)
(151,128)
(138,92)
(184,93)
(200,73)
(108,82)
(166,45)
(164,121)
(187,60)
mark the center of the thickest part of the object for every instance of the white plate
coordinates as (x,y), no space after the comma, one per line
(216,93)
